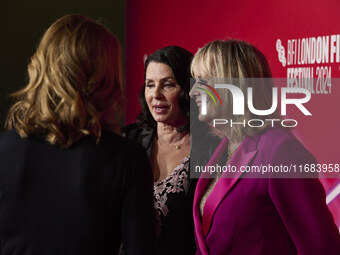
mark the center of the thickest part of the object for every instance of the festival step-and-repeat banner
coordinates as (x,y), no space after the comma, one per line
(301,40)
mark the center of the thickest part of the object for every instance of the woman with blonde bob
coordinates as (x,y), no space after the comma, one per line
(238,212)
(67,182)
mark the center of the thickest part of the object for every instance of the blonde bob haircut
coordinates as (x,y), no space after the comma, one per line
(75,84)
(237,62)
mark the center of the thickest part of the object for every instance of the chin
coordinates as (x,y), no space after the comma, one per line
(163,119)
(160,119)
(204,118)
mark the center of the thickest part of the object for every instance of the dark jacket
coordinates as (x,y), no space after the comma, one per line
(86,199)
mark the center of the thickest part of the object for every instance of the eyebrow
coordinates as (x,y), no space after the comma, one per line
(163,79)
(202,81)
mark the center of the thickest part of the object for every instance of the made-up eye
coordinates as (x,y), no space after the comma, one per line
(150,85)
(169,85)
(201,81)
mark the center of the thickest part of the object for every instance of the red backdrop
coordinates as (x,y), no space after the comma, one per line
(154,24)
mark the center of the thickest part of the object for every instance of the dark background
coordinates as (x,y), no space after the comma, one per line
(22,24)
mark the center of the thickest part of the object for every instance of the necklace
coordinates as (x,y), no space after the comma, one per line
(177,146)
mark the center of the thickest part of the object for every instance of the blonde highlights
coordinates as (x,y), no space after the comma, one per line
(237,62)
(75,84)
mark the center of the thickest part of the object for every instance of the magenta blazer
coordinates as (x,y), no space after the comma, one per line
(265,216)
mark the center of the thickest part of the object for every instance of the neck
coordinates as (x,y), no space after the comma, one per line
(234,140)
(169,133)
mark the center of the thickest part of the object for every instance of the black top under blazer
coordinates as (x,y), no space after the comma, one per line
(86,199)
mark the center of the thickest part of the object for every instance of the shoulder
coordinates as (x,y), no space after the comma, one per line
(273,138)
(9,139)
(277,136)
(130,128)
(268,139)
(281,146)
(113,151)
(120,144)
(9,135)
(131,131)
(138,134)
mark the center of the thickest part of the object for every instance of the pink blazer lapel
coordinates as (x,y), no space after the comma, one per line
(200,189)
(200,238)
(225,183)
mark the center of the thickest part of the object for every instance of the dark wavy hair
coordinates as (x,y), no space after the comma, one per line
(179,60)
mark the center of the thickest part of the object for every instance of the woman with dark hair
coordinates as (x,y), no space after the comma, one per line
(163,129)
(242,211)
(67,182)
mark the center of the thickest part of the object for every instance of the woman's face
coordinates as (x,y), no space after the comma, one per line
(161,95)
(213,110)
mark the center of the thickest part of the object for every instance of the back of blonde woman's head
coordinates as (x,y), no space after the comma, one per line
(239,63)
(75,84)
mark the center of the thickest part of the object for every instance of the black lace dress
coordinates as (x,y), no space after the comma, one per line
(173,200)
(174,225)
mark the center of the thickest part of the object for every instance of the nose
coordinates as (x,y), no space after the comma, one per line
(194,92)
(157,93)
